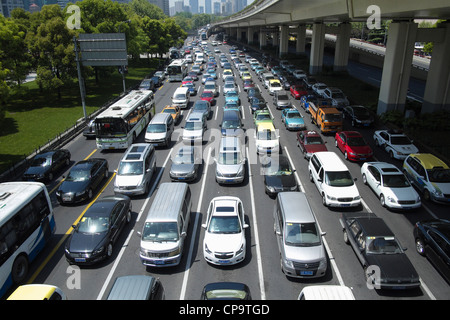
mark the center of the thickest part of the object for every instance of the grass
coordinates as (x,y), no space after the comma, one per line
(34,117)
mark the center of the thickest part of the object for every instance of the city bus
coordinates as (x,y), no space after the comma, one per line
(118,126)
(26,225)
(177,70)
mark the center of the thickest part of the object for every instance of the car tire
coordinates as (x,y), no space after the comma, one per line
(346,240)
(324,200)
(426,195)
(364,178)
(382,200)
(311,176)
(128,217)
(420,247)
(19,269)
(90,194)
(109,250)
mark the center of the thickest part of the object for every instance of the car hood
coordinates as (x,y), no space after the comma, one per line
(73,186)
(393,267)
(341,192)
(163,246)
(443,187)
(182,167)
(360,149)
(193,133)
(155,135)
(279,181)
(85,242)
(233,132)
(311,148)
(130,180)
(229,168)
(402,193)
(267,143)
(304,254)
(407,148)
(224,242)
(37,170)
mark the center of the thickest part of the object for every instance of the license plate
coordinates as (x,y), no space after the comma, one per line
(306,273)
(66,198)
(80,260)
(181,178)
(366,124)
(229,180)
(345,205)
(362,158)
(158,261)
(398,287)
(224,261)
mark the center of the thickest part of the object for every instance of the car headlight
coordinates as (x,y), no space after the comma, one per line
(174,252)
(270,189)
(241,249)
(437,193)
(331,198)
(391,199)
(98,251)
(358,197)
(323,264)
(288,263)
(207,250)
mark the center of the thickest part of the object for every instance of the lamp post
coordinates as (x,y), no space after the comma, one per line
(122,68)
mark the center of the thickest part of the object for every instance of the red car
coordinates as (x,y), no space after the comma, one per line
(208,96)
(298,90)
(248,84)
(310,141)
(353,145)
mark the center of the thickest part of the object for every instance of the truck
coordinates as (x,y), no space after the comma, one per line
(325,116)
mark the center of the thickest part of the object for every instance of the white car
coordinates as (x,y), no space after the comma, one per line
(299,74)
(224,242)
(319,88)
(390,185)
(395,143)
(337,97)
(266,138)
(229,86)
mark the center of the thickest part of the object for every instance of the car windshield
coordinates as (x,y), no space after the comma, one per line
(395,181)
(302,234)
(338,179)
(200,107)
(180,96)
(400,140)
(210,87)
(41,162)
(293,115)
(338,95)
(383,245)
(193,125)
(93,224)
(160,231)
(313,140)
(263,116)
(156,128)
(231,94)
(275,84)
(266,135)
(171,111)
(78,175)
(361,113)
(333,117)
(229,158)
(356,141)
(207,94)
(130,168)
(224,224)
(279,169)
(439,175)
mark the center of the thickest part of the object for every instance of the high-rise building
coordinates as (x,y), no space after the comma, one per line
(208,8)
(8,5)
(194,6)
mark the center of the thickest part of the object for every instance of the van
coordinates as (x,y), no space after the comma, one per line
(299,238)
(159,130)
(135,170)
(136,287)
(166,226)
(333,180)
(181,97)
(194,128)
(230,162)
(326,292)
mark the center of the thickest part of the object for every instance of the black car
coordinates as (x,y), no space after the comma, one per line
(385,263)
(257,103)
(83,179)
(147,84)
(156,81)
(45,164)
(432,239)
(358,115)
(226,291)
(278,175)
(252,92)
(94,236)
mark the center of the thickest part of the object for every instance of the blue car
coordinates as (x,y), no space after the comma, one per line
(232,96)
(231,105)
(212,72)
(292,119)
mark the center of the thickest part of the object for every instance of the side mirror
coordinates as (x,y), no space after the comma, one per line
(204,226)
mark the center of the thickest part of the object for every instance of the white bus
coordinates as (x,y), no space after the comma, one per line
(118,126)
(177,70)
(26,225)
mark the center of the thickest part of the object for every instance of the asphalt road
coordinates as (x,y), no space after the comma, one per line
(261,268)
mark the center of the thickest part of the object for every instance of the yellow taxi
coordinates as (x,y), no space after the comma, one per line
(246,76)
(174,111)
(266,138)
(37,292)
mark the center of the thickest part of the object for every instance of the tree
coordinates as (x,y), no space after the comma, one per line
(143,8)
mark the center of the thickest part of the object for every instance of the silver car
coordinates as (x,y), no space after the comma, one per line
(281,101)
(230,162)
(185,164)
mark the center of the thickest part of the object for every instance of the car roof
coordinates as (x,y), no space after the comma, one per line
(310,133)
(266,126)
(352,133)
(371,224)
(225,201)
(429,161)
(385,167)
(87,164)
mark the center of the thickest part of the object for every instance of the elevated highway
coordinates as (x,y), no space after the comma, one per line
(279,18)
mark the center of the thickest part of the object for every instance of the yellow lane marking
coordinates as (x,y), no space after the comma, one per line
(68,232)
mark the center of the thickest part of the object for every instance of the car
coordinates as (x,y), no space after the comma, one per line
(246,76)
(89,131)
(185,164)
(232,96)
(212,72)
(274,86)
(202,107)
(226,291)
(390,185)
(359,116)
(432,238)
(292,119)
(299,74)
(353,146)
(286,81)
(266,139)
(83,179)
(208,96)
(191,87)
(197,69)
(157,81)
(160,74)
(281,100)
(395,143)
(224,242)
(319,88)
(260,116)
(242,68)
(174,110)
(193,75)
(297,91)
(232,124)
(309,81)
(337,97)
(147,84)
(278,175)
(258,103)
(211,86)
(194,128)
(252,92)
(206,77)
(248,84)
(37,292)
(430,175)
(306,99)
(186,80)
(384,261)
(290,68)
(310,141)
(98,230)
(229,86)
(44,165)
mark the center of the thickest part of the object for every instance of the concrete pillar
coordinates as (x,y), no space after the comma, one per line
(284,40)
(262,39)
(317,44)
(437,88)
(249,35)
(275,35)
(397,66)
(342,47)
(301,39)
(238,34)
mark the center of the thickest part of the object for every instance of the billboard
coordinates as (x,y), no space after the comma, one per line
(103,49)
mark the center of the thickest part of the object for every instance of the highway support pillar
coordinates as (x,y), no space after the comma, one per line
(284,40)
(262,38)
(238,34)
(397,66)
(301,39)
(317,44)
(342,47)
(437,88)
(250,33)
